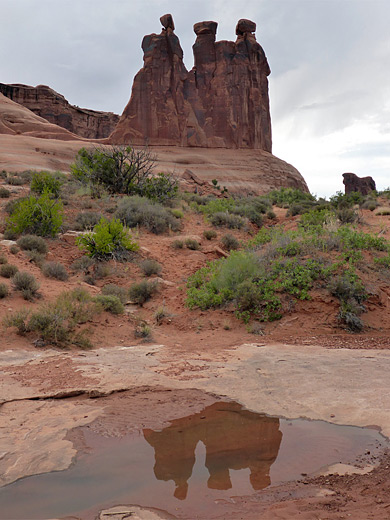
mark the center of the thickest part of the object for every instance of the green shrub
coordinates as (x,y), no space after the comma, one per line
(140,211)
(4,291)
(161,188)
(109,239)
(27,284)
(55,270)
(38,216)
(110,303)
(192,244)
(230,242)
(17,319)
(150,266)
(4,193)
(86,220)
(141,292)
(227,220)
(177,213)
(284,197)
(33,243)
(112,289)
(271,214)
(161,313)
(8,270)
(209,234)
(46,182)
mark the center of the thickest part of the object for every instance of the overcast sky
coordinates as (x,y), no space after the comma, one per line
(330,63)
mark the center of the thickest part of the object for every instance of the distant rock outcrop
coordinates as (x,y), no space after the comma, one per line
(221,103)
(361,184)
(52,106)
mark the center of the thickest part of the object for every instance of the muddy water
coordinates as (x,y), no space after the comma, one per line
(190,468)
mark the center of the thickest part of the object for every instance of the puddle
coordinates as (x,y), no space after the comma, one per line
(194,466)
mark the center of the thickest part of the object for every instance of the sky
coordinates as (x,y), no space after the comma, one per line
(330,63)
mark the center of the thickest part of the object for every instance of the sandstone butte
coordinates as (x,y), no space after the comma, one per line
(214,120)
(52,106)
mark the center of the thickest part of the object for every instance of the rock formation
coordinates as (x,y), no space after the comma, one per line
(52,106)
(361,184)
(17,120)
(221,103)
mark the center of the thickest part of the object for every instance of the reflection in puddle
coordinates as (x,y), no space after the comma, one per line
(234,439)
(191,468)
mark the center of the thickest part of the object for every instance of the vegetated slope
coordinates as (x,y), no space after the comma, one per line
(273,273)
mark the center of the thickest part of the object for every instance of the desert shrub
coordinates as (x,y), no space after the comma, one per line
(342,200)
(112,289)
(370,204)
(315,217)
(4,193)
(4,291)
(55,270)
(110,303)
(230,242)
(177,244)
(271,214)
(3,259)
(177,213)
(383,261)
(36,258)
(383,211)
(141,292)
(192,244)
(26,283)
(209,234)
(86,220)
(14,249)
(10,206)
(56,322)
(82,264)
(254,285)
(348,287)
(284,197)
(143,330)
(352,321)
(33,243)
(160,313)
(38,216)
(150,266)
(109,239)
(46,182)
(161,188)
(15,180)
(351,239)
(17,319)
(227,220)
(8,270)
(346,215)
(118,169)
(140,211)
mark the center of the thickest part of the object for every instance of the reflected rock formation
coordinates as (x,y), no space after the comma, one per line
(234,439)
(222,102)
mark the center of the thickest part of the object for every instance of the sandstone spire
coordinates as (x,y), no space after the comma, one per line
(222,102)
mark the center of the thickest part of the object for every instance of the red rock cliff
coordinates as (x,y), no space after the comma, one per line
(221,103)
(52,106)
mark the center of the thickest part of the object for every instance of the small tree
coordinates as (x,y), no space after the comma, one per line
(118,169)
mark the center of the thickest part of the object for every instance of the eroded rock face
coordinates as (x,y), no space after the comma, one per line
(221,103)
(52,106)
(361,184)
